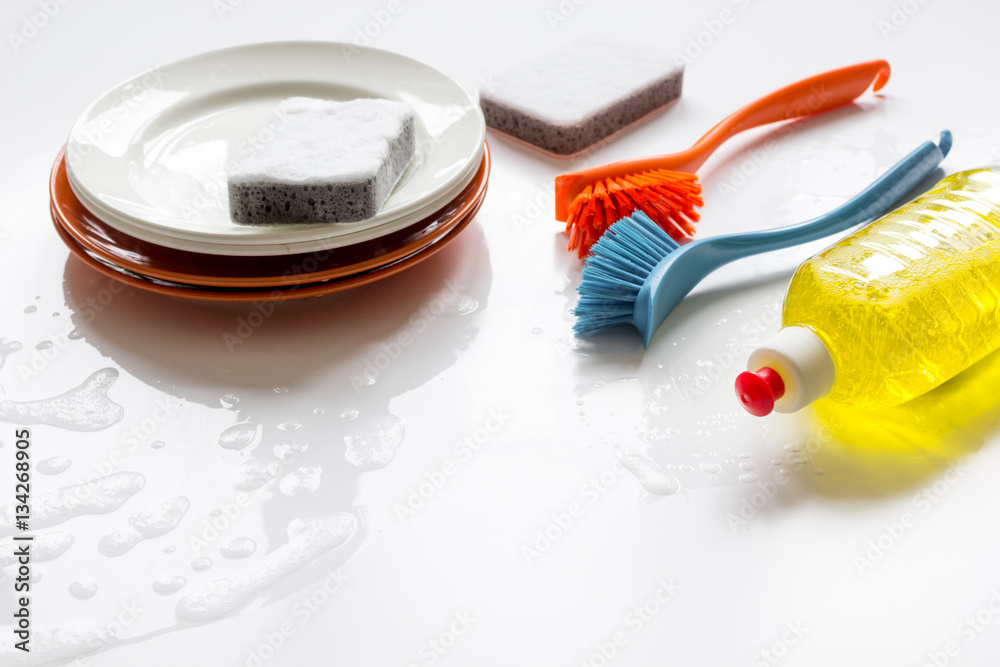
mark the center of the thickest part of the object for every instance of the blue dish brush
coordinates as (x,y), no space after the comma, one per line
(637,274)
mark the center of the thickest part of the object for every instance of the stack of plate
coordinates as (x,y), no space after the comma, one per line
(140,193)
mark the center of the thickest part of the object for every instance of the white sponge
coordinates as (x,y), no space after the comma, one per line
(571,98)
(326,162)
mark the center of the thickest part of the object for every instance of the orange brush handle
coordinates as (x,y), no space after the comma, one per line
(803,98)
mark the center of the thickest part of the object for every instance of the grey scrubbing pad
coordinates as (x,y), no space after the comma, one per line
(327,162)
(572,98)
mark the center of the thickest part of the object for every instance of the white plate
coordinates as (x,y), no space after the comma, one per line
(151,152)
(269,249)
(325,236)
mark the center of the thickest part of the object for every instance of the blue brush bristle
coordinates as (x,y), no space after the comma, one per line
(617,266)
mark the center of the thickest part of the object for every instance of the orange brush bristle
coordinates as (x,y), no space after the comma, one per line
(668,197)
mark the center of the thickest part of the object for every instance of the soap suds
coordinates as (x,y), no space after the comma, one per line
(153,521)
(83,408)
(308,539)
(652,479)
(54,507)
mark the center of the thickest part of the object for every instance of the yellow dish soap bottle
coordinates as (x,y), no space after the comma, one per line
(893,310)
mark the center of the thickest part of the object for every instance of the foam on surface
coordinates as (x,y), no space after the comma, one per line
(581,92)
(651,478)
(326,162)
(83,408)
(100,496)
(59,643)
(308,540)
(153,521)
(44,547)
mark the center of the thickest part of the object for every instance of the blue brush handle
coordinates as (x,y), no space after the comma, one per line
(874,201)
(679,272)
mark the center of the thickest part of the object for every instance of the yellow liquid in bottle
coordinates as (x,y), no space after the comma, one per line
(912,299)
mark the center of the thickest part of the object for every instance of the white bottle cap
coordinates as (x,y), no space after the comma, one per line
(803,362)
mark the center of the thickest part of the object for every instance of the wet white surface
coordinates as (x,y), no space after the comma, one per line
(431,470)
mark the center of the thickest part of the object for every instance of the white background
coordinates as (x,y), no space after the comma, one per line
(879,547)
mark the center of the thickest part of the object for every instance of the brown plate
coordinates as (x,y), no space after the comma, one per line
(278,292)
(148,261)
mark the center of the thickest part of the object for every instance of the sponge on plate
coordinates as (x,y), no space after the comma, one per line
(571,98)
(326,162)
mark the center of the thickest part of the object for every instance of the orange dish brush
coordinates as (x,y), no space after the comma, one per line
(665,188)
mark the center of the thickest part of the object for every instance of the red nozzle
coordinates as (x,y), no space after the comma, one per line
(758,390)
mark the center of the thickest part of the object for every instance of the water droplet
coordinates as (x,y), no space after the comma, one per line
(374,444)
(215,513)
(101,496)
(153,521)
(464,305)
(685,467)
(201,563)
(241,436)
(349,415)
(168,585)
(749,477)
(54,465)
(290,425)
(302,481)
(319,411)
(83,590)
(793,447)
(30,309)
(281,389)
(7,347)
(651,478)
(308,540)
(710,468)
(537,330)
(53,646)
(83,408)
(365,379)
(157,444)
(229,400)
(288,450)
(744,455)
(74,335)
(240,547)
(255,473)
(44,345)
(44,547)
(746,465)
(169,549)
